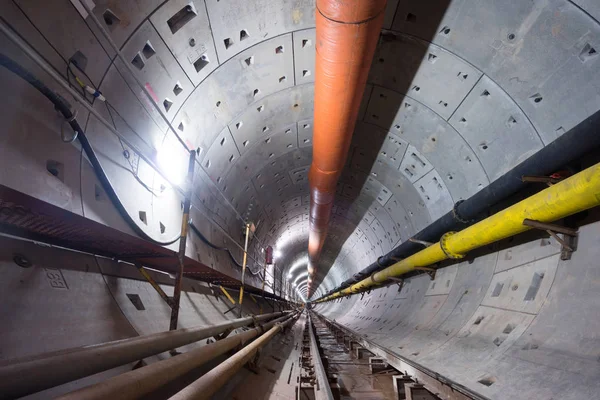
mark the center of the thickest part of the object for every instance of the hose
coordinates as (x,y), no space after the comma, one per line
(64,108)
(578,141)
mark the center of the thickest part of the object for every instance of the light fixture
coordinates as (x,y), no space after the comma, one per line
(277,253)
(173,159)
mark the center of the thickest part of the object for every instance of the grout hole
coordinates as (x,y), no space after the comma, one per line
(255,92)
(228,43)
(180,126)
(249,61)
(279,50)
(536,98)
(282,79)
(162,227)
(223,141)
(306,42)
(432,58)
(239,125)
(246,143)
(260,108)
(485,93)
(305,73)
(412,18)
(244,35)
(478,320)
(445,31)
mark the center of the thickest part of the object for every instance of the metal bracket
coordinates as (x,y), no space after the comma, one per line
(423,242)
(155,285)
(226,293)
(568,242)
(428,270)
(230,309)
(446,250)
(399,282)
(548,180)
(223,335)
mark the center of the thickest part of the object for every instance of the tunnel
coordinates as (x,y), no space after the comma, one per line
(300,199)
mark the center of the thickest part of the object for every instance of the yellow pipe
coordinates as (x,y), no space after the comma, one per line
(572,195)
(227,294)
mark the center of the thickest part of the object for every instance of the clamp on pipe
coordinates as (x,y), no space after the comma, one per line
(446,250)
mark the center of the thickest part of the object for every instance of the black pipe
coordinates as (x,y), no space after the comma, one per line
(65,109)
(567,148)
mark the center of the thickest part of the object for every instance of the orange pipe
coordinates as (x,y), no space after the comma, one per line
(347,33)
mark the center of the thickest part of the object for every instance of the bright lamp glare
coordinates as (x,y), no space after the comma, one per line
(172,159)
(277,254)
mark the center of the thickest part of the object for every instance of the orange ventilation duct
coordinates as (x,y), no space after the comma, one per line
(347,33)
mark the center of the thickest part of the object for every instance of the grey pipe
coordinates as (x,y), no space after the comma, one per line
(205,386)
(20,377)
(142,381)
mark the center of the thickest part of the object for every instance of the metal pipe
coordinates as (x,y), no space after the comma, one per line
(346,37)
(322,388)
(139,382)
(579,140)
(572,195)
(31,53)
(20,377)
(245,259)
(185,221)
(209,383)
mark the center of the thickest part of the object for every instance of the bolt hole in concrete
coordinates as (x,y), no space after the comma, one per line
(136,301)
(182,17)
(22,261)
(110,19)
(487,381)
(56,169)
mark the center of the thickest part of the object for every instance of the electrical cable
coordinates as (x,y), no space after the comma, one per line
(64,108)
